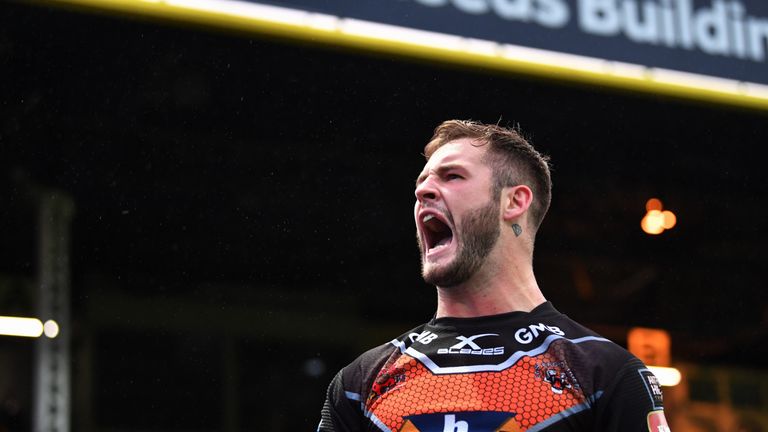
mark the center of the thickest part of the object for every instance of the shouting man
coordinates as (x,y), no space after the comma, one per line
(497,356)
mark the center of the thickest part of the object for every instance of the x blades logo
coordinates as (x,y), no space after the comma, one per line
(471,421)
(467,345)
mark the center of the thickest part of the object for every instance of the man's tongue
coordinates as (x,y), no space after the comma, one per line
(445,241)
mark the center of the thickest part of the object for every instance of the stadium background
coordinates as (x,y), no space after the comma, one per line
(243,227)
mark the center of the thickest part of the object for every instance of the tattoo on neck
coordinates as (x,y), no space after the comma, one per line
(517,229)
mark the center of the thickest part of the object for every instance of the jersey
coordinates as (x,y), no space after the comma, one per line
(518,371)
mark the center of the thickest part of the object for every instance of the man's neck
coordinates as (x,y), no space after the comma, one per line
(491,293)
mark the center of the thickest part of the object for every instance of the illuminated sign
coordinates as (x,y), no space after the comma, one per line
(721,38)
(702,49)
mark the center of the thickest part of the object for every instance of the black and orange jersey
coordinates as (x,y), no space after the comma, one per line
(536,371)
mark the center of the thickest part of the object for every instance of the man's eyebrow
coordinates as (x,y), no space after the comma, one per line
(440,170)
(420,178)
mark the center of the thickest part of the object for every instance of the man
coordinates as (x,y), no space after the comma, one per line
(496,356)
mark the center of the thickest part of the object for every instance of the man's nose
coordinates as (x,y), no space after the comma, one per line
(426,191)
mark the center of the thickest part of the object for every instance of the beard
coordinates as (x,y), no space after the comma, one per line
(479,233)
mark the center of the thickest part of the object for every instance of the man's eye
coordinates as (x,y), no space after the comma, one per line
(453,176)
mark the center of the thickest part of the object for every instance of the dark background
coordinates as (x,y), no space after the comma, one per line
(243,222)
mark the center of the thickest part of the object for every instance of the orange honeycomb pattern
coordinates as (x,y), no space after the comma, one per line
(517,389)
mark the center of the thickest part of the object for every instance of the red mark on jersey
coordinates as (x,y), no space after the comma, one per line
(657,422)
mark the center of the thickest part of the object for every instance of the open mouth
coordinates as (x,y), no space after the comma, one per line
(437,234)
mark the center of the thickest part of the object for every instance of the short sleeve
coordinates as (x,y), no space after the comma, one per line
(342,411)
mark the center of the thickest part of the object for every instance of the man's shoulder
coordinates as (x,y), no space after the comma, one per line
(366,366)
(587,331)
(578,332)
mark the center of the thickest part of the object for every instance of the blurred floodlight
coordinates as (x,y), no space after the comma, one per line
(667,376)
(51,329)
(655,220)
(20,326)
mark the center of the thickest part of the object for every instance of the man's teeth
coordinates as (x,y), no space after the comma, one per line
(428,218)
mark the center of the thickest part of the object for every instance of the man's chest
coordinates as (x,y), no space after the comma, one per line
(533,393)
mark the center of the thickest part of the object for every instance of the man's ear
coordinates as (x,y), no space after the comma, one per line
(516,200)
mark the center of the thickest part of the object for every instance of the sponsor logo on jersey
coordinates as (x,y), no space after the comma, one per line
(471,421)
(657,422)
(424,337)
(653,387)
(527,335)
(557,375)
(467,345)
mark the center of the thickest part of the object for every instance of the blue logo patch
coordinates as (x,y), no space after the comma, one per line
(469,421)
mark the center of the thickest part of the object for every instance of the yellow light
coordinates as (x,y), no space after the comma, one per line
(51,329)
(20,326)
(653,204)
(653,222)
(667,376)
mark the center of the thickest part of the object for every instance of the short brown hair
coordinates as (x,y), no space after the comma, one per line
(511,158)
